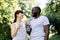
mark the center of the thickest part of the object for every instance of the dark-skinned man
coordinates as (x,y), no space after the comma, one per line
(39,25)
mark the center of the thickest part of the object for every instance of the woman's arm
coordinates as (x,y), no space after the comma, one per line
(14,30)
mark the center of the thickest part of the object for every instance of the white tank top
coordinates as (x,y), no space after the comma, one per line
(21,33)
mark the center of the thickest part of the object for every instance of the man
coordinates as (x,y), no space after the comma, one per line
(39,25)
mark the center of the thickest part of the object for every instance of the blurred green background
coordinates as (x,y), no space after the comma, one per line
(8,7)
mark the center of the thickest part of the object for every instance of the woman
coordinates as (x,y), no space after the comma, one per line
(18,30)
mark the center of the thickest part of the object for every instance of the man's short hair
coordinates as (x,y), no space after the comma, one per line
(38,8)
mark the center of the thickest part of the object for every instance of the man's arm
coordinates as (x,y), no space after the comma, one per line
(46,30)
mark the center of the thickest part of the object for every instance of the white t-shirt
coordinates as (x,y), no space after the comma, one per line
(21,33)
(37,25)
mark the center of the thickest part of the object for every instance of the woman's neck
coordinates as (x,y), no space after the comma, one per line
(18,20)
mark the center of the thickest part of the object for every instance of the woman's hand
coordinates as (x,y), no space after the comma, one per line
(18,25)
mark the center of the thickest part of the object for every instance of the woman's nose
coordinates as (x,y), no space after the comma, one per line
(22,14)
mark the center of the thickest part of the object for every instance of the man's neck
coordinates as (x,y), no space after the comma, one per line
(37,16)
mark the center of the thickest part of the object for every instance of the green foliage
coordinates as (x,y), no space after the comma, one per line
(25,9)
(53,13)
(4,20)
(55,37)
(7,9)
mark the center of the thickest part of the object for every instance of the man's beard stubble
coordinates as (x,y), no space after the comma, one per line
(34,15)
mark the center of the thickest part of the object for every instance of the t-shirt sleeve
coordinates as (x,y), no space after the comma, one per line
(46,21)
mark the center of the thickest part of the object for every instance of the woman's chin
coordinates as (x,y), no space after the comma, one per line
(21,18)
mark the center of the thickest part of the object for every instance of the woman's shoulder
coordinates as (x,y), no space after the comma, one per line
(13,24)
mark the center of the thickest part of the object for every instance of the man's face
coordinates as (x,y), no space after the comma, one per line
(34,12)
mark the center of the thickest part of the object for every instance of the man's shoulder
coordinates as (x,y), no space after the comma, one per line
(43,17)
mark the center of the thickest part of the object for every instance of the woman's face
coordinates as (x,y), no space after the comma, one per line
(20,15)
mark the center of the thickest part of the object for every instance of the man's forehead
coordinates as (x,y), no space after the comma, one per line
(34,8)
